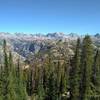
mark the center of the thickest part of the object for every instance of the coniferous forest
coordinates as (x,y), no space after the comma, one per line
(65,78)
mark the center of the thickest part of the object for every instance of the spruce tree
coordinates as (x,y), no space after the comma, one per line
(96,73)
(74,75)
(29,86)
(40,90)
(62,88)
(5,73)
(58,79)
(1,82)
(51,95)
(20,87)
(11,79)
(86,68)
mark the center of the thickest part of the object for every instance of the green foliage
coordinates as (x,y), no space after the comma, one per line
(96,73)
(53,74)
(74,74)
(11,86)
(30,83)
(40,91)
(51,88)
(20,87)
(86,68)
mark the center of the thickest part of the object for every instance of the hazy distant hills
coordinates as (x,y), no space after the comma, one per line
(25,45)
(56,35)
(22,38)
(30,37)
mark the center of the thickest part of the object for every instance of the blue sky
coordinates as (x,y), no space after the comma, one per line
(44,16)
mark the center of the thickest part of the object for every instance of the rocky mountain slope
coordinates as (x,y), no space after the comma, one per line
(27,45)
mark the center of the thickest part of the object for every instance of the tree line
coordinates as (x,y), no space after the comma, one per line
(76,78)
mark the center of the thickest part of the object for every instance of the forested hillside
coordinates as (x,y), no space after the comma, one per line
(58,70)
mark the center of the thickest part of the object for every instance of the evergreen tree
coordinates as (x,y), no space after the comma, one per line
(44,79)
(6,68)
(62,87)
(86,68)
(40,90)
(96,73)
(30,83)
(51,95)
(58,80)
(7,84)
(5,74)
(1,83)
(20,87)
(74,75)
(49,79)
(11,79)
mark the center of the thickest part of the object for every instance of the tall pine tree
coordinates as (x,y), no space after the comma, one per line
(20,87)
(74,75)
(86,68)
(5,73)
(96,73)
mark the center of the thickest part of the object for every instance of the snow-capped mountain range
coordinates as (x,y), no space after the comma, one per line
(23,36)
(28,44)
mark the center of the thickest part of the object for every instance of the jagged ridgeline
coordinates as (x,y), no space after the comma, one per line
(37,68)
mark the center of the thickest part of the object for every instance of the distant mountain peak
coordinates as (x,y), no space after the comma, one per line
(73,34)
(97,35)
